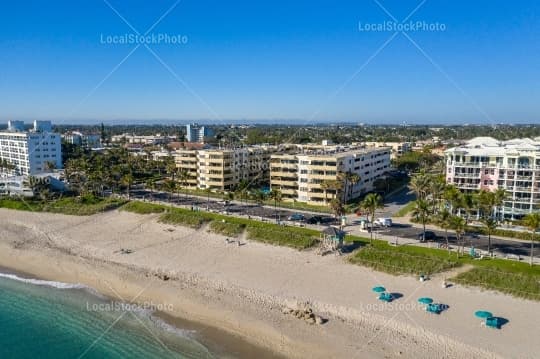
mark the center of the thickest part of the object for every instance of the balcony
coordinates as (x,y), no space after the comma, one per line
(467,175)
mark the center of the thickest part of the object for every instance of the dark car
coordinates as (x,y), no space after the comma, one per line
(428,236)
(314,220)
(296,217)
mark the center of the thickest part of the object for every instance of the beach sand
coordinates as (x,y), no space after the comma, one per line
(200,277)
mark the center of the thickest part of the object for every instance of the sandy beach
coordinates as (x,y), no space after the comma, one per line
(243,289)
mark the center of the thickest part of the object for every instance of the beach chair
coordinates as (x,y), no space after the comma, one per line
(492,322)
(386,297)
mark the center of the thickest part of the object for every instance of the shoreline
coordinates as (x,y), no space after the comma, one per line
(217,340)
(216,337)
(243,290)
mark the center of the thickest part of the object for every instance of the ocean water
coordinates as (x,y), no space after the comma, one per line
(40,319)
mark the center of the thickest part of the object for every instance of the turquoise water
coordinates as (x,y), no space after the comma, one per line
(40,320)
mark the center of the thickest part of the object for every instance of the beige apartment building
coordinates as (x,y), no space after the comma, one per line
(224,169)
(302,176)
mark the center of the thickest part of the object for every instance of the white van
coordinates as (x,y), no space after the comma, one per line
(385,222)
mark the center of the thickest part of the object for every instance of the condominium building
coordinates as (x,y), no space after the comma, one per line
(305,177)
(224,169)
(398,148)
(143,140)
(196,133)
(30,152)
(91,141)
(485,163)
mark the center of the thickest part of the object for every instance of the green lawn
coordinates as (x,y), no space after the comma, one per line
(404,210)
(403,259)
(511,277)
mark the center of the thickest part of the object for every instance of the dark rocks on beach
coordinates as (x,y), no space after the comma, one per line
(306,314)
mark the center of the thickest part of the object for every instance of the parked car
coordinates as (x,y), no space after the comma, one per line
(314,220)
(296,217)
(385,222)
(429,236)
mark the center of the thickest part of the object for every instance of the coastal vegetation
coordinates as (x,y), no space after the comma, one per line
(77,206)
(384,257)
(294,237)
(510,277)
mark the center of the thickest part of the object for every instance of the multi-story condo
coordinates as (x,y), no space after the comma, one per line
(224,169)
(91,141)
(196,133)
(484,163)
(30,152)
(310,176)
(143,140)
(398,148)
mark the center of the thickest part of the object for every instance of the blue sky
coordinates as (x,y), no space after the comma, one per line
(271,60)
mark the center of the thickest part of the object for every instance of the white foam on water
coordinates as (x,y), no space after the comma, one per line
(47,283)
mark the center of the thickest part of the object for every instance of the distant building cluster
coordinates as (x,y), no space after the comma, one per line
(485,163)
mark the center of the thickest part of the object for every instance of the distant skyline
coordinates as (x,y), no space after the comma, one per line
(304,62)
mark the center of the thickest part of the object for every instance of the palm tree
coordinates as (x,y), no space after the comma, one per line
(325,185)
(490,224)
(127,180)
(260,197)
(458,224)
(436,189)
(444,221)
(337,207)
(420,185)
(170,187)
(183,177)
(500,196)
(371,203)
(276,195)
(453,197)
(532,222)
(422,212)
(354,178)
(208,190)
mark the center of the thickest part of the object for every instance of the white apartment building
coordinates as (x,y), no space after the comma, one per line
(300,176)
(30,152)
(488,164)
(157,139)
(91,141)
(398,148)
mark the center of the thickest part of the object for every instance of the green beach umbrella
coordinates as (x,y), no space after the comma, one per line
(379,289)
(425,300)
(483,314)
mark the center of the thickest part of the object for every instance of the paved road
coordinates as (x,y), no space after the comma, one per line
(517,248)
(394,203)
(236,207)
